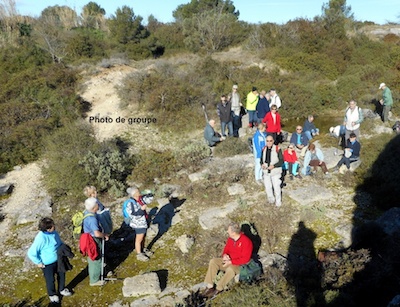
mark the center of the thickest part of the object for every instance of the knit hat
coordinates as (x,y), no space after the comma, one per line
(90,203)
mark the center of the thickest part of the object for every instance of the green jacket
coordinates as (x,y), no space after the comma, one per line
(387,97)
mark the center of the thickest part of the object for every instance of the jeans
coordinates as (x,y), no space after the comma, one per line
(49,271)
(252,118)
(230,128)
(346,161)
(310,133)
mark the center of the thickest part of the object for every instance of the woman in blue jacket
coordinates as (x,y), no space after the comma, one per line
(43,253)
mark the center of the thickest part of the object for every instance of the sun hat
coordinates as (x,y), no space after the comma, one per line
(382,85)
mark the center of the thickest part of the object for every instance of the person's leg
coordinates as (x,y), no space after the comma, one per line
(236,126)
(385,113)
(61,281)
(303,151)
(48,272)
(347,162)
(230,128)
(229,274)
(295,168)
(138,242)
(314,164)
(324,168)
(94,270)
(223,126)
(257,169)
(276,182)
(268,187)
(214,266)
(340,163)
(308,134)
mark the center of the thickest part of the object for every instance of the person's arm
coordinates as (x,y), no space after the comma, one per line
(34,251)
(360,116)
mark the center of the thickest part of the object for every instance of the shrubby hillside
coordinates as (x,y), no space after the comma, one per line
(49,62)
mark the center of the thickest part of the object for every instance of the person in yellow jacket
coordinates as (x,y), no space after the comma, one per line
(251,105)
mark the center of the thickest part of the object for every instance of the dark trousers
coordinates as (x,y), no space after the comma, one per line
(237,124)
(49,271)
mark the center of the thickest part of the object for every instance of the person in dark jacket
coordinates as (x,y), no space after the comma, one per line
(263,105)
(309,127)
(351,152)
(225,115)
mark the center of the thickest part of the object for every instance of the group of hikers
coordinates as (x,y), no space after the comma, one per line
(49,253)
(301,157)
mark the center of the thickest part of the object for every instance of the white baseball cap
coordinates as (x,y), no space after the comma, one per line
(382,85)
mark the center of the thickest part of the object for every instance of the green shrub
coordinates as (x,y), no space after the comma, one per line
(150,164)
(108,168)
(232,146)
(64,177)
(191,154)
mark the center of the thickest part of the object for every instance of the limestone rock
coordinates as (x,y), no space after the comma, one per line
(314,193)
(236,189)
(216,216)
(184,243)
(146,284)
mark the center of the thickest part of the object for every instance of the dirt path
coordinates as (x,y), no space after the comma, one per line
(100,91)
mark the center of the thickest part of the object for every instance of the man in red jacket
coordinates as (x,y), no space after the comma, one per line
(237,251)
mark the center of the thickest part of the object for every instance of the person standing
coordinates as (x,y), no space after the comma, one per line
(352,119)
(258,145)
(43,253)
(386,101)
(271,164)
(251,106)
(263,106)
(273,122)
(275,99)
(93,231)
(237,251)
(225,115)
(136,218)
(236,105)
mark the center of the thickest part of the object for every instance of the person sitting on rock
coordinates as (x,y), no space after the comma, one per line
(309,127)
(315,158)
(300,140)
(351,152)
(237,251)
(212,137)
(291,164)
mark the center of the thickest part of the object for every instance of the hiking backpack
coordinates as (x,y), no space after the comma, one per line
(77,222)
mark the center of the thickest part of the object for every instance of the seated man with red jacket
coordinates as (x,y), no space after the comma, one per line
(237,251)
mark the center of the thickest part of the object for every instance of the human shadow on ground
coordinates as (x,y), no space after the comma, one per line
(163,218)
(303,270)
(376,233)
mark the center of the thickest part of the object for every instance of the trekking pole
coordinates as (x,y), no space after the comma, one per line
(103,264)
(203,106)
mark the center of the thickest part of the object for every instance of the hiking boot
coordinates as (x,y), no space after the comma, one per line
(65,292)
(148,252)
(291,177)
(208,292)
(54,298)
(142,257)
(298,176)
(98,283)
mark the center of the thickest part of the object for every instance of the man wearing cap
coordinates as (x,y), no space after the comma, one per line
(92,227)
(234,98)
(386,101)
(251,106)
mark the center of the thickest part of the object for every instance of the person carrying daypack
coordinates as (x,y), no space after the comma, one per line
(135,215)
(77,222)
